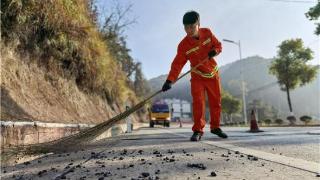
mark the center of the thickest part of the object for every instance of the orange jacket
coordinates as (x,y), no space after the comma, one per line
(195,51)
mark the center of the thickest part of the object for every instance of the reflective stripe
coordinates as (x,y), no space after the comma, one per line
(196,48)
(206,41)
(191,50)
(207,75)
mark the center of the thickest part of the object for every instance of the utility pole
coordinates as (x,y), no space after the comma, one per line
(242,80)
(181,109)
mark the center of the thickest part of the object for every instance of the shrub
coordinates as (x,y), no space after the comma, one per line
(278,121)
(267,121)
(305,119)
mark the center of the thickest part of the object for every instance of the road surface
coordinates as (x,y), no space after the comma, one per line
(167,153)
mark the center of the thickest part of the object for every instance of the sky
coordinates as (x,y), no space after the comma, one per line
(260,26)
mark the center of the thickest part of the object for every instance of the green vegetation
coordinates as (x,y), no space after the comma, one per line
(278,121)
(112,33)
(267,121)
(62,37)
(313,14)
(291,68)
(230,105)
(306,119)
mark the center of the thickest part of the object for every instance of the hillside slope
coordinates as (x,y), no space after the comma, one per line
(28,94)
(56,67)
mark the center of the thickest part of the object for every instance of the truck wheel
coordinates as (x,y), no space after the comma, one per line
(151,124)
(167,124)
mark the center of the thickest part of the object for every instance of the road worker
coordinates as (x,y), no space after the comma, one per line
(199,45)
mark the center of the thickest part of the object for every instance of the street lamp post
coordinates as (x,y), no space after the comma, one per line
(242,81)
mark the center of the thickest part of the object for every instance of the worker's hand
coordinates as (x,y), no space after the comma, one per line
(166,86)
(212,53)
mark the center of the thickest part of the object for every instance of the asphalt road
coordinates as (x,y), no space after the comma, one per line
(296,142)
(167,153)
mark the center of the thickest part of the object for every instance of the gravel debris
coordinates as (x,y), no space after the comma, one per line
(252,158)
(197,165)
(145,174)
(40,173)
(213,174)
(156,152)
(223,155)
(26,163)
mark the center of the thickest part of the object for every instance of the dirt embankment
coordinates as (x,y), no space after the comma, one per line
(30,93)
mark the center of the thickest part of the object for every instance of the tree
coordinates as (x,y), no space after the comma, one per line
(290,66)
(112,30)
(114,26)
(306,119)
(93,11)
(230,105)
(140,84)
(313,14)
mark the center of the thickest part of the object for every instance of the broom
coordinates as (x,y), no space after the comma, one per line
(86,135)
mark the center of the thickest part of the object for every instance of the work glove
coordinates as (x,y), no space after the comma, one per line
(167,85)
(212,53)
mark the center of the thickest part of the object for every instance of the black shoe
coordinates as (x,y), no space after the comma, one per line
(196,136)
(219,132)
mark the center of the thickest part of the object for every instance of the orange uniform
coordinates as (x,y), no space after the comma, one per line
(196,50)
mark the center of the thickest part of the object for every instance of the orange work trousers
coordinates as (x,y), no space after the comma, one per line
(198,89)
